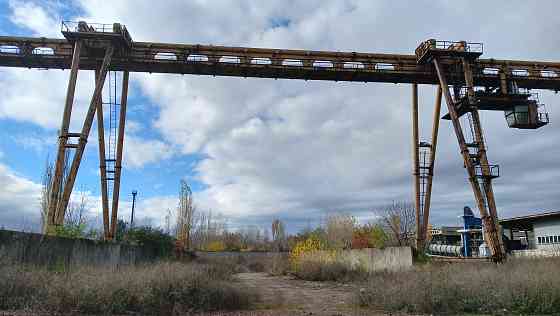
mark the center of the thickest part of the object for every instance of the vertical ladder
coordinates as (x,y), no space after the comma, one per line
(475,159)
(424,155)
(424,149)
(111,101)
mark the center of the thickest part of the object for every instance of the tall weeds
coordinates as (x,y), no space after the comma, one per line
(163,288)
(516,287)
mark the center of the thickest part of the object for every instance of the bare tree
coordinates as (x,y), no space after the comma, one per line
(75,215)
(46,194)
(168,222)
(340,228)
(185,214)
(46,182)
(278,234)
(399,220)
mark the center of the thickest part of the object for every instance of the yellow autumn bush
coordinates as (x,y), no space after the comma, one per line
(216,246)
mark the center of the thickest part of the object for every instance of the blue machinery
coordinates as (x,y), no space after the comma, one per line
(471,225)
(465,242)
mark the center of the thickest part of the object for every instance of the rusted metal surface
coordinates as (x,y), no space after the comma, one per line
(490,225)
(102,163)
(63,203)
(432,161)
(118,160)
(113,48)
(272,63)
(416,166)
(53,218)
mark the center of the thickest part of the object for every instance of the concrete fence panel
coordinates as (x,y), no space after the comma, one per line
(57,252)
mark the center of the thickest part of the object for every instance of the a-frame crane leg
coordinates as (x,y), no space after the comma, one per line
(119,155)
(491,230)
(57,182)
(416,167)
(431,165)
(423,201)
(491,226)
(102,162)
(63,203)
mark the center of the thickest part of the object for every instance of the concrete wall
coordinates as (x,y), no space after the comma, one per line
(534,253)
(42,250)
(237,256)
(370,259)
(373,259)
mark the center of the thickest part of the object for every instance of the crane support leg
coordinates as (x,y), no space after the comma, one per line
(416,165)
(57,183)
(491,230)
(431,165)
(118,160)
(491,225)
(423,179)
(63,203)
(102,163)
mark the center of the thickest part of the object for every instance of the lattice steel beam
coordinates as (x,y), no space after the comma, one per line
(43,53)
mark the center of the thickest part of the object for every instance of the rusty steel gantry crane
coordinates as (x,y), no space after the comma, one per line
(477,84)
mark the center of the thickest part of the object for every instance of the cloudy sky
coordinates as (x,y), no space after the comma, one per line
(254,149)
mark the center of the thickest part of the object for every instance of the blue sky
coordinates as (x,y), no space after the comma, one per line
(255,149)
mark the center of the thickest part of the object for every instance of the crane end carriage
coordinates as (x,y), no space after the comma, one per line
(97,35)
(522,109)
(431,48)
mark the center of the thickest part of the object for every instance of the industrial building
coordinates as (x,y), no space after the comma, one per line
(535,234)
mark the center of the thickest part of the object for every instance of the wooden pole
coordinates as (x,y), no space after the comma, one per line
(84,136)
(416,164)
(54,199)
(428,197)
(118,162)
(102,162)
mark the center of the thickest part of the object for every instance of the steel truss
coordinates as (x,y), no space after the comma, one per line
(105,48)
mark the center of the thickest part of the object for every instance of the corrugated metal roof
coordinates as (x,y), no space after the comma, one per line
(531,217)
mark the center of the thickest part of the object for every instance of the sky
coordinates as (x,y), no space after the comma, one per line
(258,149)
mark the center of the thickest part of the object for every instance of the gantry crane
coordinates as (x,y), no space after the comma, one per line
(454,67)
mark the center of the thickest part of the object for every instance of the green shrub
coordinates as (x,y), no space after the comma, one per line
(155,239)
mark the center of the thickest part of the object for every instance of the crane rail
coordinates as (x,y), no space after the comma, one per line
(50,53)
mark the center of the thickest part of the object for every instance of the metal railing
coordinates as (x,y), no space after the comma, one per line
(458,46)
(73,26)
(494,171)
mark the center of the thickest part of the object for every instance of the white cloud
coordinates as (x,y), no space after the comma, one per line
(293,146)
(36,142)
(39,19)
(139,151)
(296,147)
(19,200)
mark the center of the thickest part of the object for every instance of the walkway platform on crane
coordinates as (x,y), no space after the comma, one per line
(431,48)
(95,35)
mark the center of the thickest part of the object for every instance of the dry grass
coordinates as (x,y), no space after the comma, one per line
(516,287)
(163,288)
(274,264)
(326,266)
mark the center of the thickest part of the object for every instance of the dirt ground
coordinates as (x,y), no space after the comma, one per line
(285,295)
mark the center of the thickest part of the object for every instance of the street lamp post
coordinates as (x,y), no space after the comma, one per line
(134,192)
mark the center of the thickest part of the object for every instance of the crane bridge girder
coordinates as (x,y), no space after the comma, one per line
(151,57)
(109,47)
